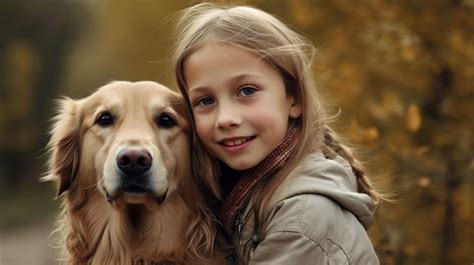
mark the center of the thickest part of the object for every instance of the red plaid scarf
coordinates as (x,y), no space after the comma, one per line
(249,178)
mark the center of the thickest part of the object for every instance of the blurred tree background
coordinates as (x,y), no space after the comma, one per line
(401,74)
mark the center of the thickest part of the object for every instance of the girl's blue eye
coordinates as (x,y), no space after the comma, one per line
(205,101)
(247,91)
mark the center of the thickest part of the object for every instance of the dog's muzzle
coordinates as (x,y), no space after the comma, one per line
(134,164)
(134,183)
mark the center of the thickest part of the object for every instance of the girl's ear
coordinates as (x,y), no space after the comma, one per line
(64,145)
(296,109)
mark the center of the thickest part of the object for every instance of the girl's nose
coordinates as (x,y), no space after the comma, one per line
(228,118)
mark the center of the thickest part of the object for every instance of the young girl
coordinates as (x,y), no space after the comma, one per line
(288,191)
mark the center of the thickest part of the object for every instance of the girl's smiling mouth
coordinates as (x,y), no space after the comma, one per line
(236,144)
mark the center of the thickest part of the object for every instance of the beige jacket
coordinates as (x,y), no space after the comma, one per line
(318,217)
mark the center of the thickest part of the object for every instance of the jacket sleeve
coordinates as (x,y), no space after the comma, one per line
(283,248)
(312,229)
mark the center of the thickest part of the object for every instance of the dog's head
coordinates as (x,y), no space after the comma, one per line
(128,140)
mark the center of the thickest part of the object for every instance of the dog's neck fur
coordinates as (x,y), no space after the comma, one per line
(104,235)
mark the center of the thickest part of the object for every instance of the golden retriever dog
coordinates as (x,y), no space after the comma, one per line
(121,161)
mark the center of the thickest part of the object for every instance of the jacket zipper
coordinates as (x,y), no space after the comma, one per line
(236,235)
(238,228)
(247,248)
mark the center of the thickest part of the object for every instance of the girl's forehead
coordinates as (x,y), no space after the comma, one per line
(225,53)
(225,58)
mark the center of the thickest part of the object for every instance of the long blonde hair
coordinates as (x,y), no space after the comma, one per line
(292,55)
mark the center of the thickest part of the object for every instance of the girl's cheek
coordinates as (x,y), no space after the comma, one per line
(202,129)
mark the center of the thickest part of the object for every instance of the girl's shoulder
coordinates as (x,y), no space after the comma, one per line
(324,222)
(325,185)
(314,215)
(321,202)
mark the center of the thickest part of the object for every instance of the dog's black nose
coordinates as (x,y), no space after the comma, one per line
(134,161)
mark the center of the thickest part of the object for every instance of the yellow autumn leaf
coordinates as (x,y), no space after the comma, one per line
(408,54)
(422,150)
(424,182)
(363,135)
(413,118)
(371,135)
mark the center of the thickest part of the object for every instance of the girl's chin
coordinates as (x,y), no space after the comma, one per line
(239,165)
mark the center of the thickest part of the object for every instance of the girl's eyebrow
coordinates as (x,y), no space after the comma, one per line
(238,78)
(233,80)
(197,90)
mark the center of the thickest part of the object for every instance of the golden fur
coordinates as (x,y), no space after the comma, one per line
(103,223)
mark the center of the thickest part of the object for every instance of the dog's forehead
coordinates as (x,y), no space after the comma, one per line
(136,88)
(123,91)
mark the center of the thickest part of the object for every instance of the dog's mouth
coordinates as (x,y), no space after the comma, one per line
(135,188)
(135,193)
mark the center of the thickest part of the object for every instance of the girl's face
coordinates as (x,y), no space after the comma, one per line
(239,103)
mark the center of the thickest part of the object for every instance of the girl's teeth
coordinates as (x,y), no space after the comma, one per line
(235,142)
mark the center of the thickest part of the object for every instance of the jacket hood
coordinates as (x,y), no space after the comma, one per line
(332,178)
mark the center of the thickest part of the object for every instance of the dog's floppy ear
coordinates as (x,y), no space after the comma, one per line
(64,145)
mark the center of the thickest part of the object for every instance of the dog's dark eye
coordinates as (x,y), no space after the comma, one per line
(105,119)
(165,120)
